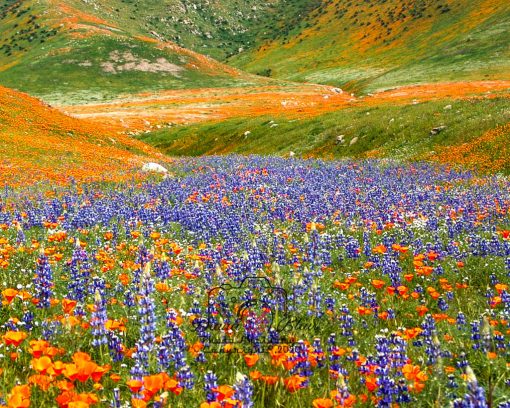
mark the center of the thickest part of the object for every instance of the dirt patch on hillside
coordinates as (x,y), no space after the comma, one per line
(126,61)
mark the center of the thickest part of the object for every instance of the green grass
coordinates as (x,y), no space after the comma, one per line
(397,131)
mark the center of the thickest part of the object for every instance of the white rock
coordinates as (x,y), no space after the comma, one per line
(154,168)
(447,107)
(353,140)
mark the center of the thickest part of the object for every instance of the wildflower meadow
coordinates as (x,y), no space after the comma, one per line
(258,282)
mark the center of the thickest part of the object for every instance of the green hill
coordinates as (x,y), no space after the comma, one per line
(376,44)
(65,54)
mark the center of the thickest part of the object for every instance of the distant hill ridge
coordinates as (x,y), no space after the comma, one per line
(76,50)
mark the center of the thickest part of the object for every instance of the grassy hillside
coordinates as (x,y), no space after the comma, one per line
(369,45)
(218,28)
(64,54)
(40,143)
(384,130)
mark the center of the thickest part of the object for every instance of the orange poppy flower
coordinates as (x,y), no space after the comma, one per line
(78,404)
(371,384)
(38,347)
(195,348)
(68,305)
(42,381)
(380,249)
(115,377)
(422,309)
(99,371)
(416,387)
(19,397)
(70,371)
(500,287)
(9,294)
(173,386)
(269,379)
(251,359)
(14,338)
(41,364)
(231,403)
(410,371)
(322,403)
(124,278)
(162,287)
(153,383)
(134,385)
(224,392)
(294,383)
(341,285)
(64,385)
(138,403)
(364,310)
(213,404)
(85,370)
(378,284)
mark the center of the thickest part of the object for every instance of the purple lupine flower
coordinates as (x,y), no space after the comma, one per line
(98,320)
(146,310)
(475,396)
(115,347)
(302,366)
(43,282)
(243,391)
(79,273)
(210,383)
(117,402)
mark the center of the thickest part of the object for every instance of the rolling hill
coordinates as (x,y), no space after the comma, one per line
(39,143)
(64,54)
(377,44)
